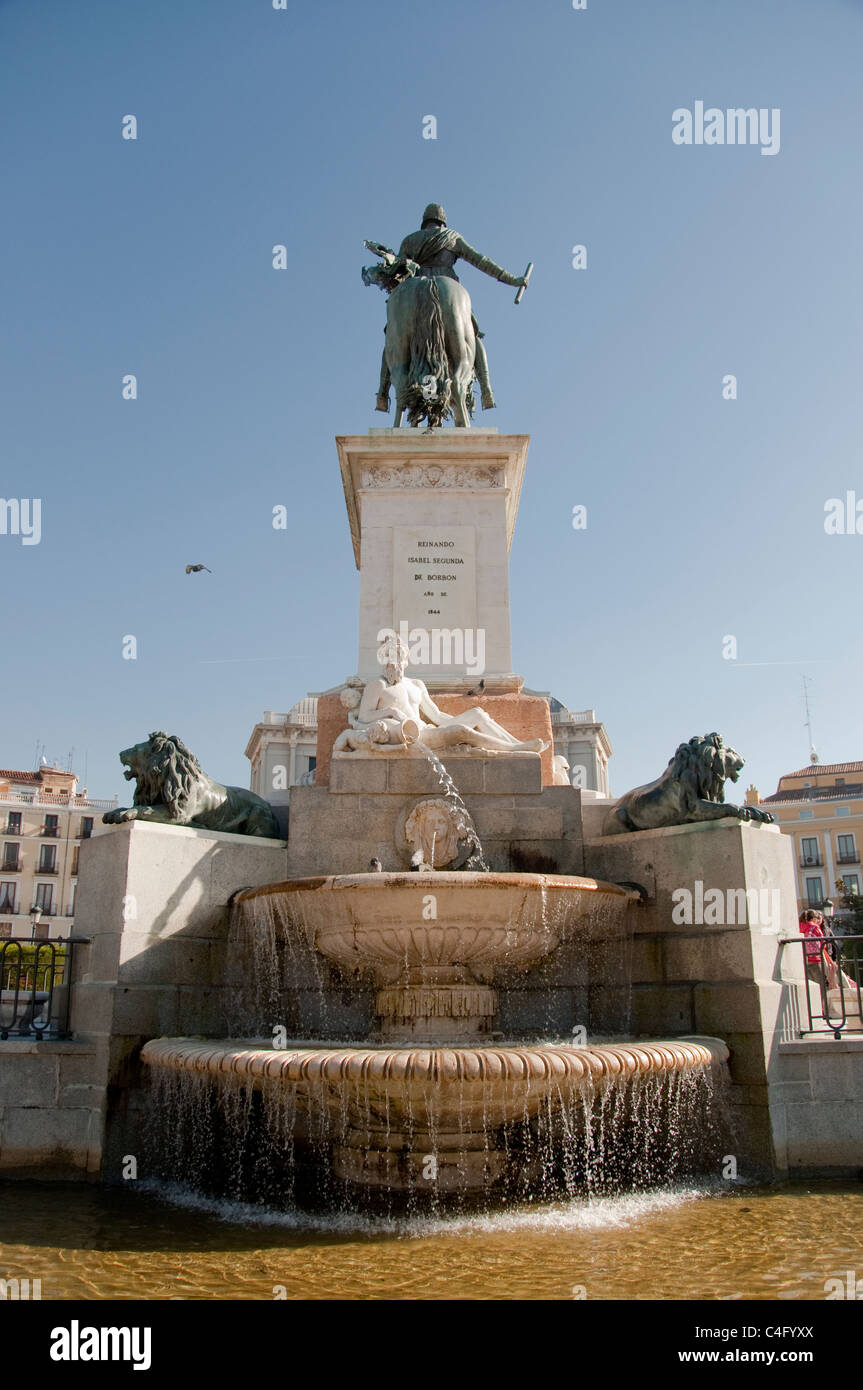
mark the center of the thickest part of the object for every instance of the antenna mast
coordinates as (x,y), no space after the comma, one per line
(807,723)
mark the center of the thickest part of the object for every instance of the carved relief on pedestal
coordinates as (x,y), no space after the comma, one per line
(439,829)
(454,475)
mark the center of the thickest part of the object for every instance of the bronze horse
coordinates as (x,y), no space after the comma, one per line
(431,350)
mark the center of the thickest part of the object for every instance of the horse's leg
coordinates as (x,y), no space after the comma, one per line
(463,368)
(459,401)
(399,375)
(460,350)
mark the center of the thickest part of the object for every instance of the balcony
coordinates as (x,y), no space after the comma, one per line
(11,868)
(46,869)
(853,858)
(50,830)
(13,828)
(7,910)
(811,861)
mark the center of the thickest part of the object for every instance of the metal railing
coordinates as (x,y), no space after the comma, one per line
(35,980)
(811,861)
(12,867)
(834,972)
(848,858)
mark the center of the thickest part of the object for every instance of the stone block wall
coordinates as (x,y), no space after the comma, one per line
(523,825)
(152,899)
(727,978)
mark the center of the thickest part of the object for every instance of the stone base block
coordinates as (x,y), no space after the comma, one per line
(435,1013)
(419,1163)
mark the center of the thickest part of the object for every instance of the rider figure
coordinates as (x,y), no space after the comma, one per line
(435,248)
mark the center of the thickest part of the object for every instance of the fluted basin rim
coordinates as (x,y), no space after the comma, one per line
(436,1064)
(468,882)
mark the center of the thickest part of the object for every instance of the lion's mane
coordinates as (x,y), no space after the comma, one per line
(167,775)
(708,762)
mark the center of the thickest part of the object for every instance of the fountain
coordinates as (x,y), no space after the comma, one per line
(436,1102)
(454,796)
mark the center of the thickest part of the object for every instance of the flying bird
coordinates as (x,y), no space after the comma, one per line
(196,569)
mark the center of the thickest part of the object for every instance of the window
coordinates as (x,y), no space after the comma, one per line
(45,898)
(40,931)
(809,850)
(10,856)
(75,860)
(843,810)
(313,762)
(852,883)
(51,826)
(86,827)
(807,815)
(814,892)
(847,849)
(13,823)
(7,896)
(5,928)
(72,894)
(47,859)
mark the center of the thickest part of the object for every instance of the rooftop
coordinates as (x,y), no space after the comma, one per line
(825,770)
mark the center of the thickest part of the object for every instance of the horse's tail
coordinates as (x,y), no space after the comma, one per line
(429,388)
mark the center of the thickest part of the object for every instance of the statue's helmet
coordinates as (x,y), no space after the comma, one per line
(434,213)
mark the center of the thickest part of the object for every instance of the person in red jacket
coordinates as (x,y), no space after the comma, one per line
(820,961)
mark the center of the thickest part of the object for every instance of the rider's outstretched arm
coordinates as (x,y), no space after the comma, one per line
(484,263)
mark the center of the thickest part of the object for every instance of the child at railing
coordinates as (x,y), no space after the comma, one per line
(822,961)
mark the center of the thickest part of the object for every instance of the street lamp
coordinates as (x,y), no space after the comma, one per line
(35,919)
(829,908)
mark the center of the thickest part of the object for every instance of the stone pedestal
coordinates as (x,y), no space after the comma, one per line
(722,971)
(432,518)
(153,901)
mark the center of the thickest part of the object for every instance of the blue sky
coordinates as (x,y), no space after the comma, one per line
(304,127)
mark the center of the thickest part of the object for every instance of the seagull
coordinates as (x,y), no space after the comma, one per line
(196,569)
(375,866)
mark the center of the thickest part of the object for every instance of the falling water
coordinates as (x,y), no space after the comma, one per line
(272,1144)
(476,861)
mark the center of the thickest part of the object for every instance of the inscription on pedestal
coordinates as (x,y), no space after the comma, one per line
(434,577)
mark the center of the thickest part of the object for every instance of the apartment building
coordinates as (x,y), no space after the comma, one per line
(821,808)
(43,821)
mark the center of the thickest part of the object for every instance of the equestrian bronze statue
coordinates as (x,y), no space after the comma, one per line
(433,347)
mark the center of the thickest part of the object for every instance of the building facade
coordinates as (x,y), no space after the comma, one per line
(283,751)
(821,808)
(43,821)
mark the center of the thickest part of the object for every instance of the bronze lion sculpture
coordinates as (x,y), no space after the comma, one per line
(173,789)
(692,788)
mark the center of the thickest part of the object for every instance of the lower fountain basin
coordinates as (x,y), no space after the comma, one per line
(390,1109)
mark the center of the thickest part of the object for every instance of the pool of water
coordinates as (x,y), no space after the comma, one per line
(779,1242)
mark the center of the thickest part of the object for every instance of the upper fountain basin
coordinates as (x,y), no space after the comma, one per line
(401,925)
